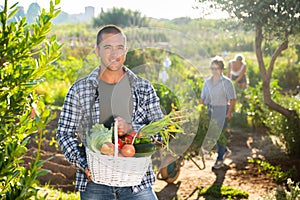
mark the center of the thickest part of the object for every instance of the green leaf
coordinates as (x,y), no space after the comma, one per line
(43,172)
(12,13)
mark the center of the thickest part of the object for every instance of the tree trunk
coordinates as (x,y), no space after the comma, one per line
(266,75)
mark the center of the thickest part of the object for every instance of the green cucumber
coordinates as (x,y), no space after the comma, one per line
(142,140)
(146,149)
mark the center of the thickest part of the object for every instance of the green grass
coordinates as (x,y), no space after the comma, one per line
(220,191)
(275,171)
(54,194)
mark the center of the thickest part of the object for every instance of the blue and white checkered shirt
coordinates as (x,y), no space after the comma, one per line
(82,101)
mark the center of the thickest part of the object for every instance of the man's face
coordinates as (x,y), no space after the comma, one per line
(112,51)
(215,69)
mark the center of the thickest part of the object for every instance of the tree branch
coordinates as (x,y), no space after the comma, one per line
(258,51)
(282,47)
(266,77)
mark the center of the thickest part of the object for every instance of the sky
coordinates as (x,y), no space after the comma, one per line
(168,9)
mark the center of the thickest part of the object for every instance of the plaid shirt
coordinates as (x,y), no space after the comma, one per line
(82,101)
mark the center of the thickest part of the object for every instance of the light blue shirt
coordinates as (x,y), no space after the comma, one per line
(219,93)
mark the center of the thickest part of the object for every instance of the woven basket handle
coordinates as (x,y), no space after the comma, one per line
(116,137)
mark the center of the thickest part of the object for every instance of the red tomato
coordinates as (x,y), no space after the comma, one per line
(128,139)
(128,150)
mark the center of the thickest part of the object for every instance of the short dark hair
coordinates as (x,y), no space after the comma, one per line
(110,28)
(218,60)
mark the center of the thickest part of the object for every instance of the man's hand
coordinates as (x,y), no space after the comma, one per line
(123,126)
(88,173)
(229,115)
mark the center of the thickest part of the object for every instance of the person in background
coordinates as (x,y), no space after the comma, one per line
(219,95)
(237,71)
(110,93)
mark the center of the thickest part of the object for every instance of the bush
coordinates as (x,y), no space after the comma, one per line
(286,129)
(288,76)
(25,55)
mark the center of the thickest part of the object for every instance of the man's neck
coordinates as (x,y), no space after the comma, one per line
(111,77)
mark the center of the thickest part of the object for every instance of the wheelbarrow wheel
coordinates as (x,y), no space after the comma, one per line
(170,172)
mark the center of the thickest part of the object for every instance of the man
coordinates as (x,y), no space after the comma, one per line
(219,95)
(111,92)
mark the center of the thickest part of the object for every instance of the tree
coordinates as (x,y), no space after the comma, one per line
(26,54)
(272,20)
(120,17)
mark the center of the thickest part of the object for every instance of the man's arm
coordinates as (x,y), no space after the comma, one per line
(202,101)
(67,126)
(230,109)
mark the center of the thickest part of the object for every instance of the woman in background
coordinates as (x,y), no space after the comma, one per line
(237,71)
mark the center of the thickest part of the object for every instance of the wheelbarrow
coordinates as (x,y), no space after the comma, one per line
(171,171)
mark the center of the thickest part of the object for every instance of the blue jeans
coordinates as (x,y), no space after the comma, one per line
(221,151)
(95,191)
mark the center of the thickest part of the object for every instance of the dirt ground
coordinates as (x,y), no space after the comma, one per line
(237,172)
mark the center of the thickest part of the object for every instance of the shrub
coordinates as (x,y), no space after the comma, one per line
(25,55)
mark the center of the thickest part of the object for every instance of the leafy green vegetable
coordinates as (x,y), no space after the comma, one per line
(97,136)
(166,127)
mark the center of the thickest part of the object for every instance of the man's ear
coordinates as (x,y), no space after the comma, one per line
(97,50)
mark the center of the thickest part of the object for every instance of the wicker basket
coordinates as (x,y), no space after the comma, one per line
(117,171)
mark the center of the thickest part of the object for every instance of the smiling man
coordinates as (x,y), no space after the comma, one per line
(110,93)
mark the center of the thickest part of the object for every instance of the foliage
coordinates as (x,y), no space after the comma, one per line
(286,129)
(26,54)
(221,191)
(279,18)
(54,194)
(253,75)
(275,171)
(291,193)
(290,72)
(203,125)
(168,100)
(120,17)
(77,60)
(274,22)
(257,111)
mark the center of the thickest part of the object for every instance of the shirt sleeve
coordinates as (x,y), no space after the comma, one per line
(204,91)
(230,94)
(155,113)
(66,132)
(148,108)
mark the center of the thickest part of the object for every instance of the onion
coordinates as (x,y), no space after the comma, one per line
(108,148)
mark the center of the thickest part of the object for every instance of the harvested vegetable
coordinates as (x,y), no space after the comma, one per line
(97,136)
(166,127)
(128,150)
(108,148)
(144,149)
